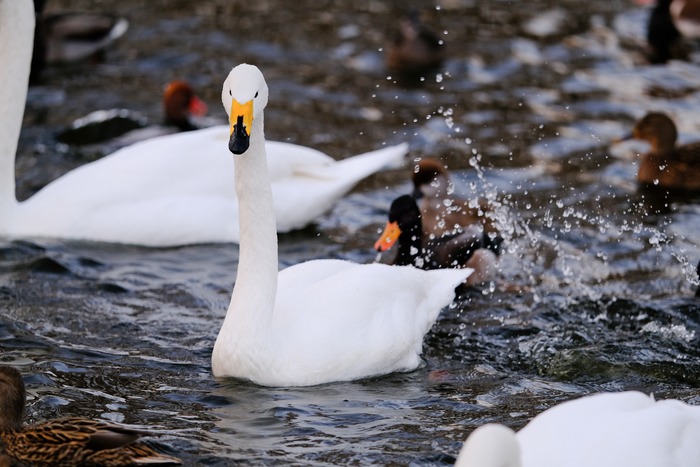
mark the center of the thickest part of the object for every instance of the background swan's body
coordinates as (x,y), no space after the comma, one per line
(319,321)
(171,190)
(627,429)
(177,189)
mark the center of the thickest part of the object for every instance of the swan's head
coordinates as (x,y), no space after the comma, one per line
(244,97)
(490,445)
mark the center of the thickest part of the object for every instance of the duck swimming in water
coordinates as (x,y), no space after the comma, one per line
(470,248)
(666,165)
(65,442)
(414,49)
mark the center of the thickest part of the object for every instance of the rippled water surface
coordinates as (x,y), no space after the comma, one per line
(523,112)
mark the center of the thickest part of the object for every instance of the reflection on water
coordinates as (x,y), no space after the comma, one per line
(523,113)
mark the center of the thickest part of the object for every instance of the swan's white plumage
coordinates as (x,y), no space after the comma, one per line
(178,189)
(323,320)
(490,445)
(627,429)
(170,190)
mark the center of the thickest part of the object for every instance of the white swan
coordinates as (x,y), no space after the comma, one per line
(627,429)
(171,190)
(319,321)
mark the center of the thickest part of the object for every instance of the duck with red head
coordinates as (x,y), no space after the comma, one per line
(65,442)
(110,130)
(179,103)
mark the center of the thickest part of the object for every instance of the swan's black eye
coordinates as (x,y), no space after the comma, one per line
(256,95)
(230,93)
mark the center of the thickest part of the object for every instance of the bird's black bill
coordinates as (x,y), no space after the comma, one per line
(240,140)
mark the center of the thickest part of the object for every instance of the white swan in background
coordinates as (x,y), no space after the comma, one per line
(319,321)
(166,191)
(624,429)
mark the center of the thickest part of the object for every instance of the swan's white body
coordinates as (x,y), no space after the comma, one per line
(170,190)
(323,320)
(627,429)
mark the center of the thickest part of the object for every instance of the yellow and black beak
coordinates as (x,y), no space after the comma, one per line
(389,237)
(241,121)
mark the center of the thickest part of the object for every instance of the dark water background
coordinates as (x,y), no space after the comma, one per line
(125,333)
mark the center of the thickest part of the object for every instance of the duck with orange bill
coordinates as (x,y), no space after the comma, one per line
(470,248)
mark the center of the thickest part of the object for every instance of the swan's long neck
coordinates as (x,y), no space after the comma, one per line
(253,299)
(16,39)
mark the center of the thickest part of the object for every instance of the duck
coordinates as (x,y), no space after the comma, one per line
(166,191)
(71,37)
(65,442)
(443,213)
(180,103)
(669,23)
(623,429)
(116,128)
(666,165)
(470,248)
(318,321)
(414,49)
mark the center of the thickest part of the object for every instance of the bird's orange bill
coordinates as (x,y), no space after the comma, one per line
(244,112)
(197,107)
(389,236)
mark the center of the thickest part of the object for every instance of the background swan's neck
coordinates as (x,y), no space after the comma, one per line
(16,39)
(253,299)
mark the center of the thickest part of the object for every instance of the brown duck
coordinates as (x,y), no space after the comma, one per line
(442,213)
(470,248)
(666,165)
(414,48)
(74,442)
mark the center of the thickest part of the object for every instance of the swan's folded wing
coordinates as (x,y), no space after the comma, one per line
(357,320)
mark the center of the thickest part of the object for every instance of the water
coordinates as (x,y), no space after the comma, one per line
(523,112)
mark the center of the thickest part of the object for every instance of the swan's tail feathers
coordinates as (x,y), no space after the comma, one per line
(353,169)
(442,285)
